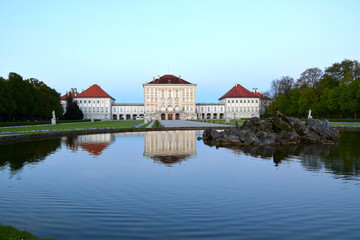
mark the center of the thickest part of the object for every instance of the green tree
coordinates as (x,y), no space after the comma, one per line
(323,105)
(73,111)
(294,96)
(308,100)
(351,102)
(283,104)
(334,100)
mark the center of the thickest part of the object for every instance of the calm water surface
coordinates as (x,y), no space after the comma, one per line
(168,185)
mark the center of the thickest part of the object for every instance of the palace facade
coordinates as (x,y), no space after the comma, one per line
(169,98)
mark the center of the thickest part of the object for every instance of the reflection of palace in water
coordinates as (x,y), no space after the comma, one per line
(94,144)
(170,147)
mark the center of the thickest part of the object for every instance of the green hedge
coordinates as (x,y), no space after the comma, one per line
(157,124)
(330,120)
(12,124)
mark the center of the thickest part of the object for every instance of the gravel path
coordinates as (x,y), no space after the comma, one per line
(183,123)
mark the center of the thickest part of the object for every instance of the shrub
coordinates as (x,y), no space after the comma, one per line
(157,124)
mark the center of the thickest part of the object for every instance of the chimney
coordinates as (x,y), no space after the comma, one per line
(154,78)
(253,90)
(257,90)
(75,90)
(180,76)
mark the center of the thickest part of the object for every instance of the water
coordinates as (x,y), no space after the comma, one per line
(168,185)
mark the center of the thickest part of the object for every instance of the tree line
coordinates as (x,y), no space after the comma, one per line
(332,93)
(27,99)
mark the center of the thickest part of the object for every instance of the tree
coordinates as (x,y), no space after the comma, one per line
(324,102)
(333,101)
(352,97)
(309,78)
(3,102)
(282,86)
(283,104)
(294,97)
(27,99)
(73,111)
(307,101)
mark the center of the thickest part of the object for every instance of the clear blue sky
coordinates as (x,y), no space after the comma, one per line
(122,44)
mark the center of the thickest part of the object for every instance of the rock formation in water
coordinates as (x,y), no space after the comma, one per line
(277,130)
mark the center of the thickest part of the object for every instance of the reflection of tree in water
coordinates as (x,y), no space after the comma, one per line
(17,155)
(340,159)
(170,160)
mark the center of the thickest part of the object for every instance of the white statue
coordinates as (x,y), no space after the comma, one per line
(227,120)
(53,119)
(309,116)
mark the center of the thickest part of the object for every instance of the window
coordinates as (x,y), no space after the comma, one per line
(236,101)
(248,101)
(256,101)
(240,101)
(80,101)
(232,101)
(98,101)
(228,101)
(208,109)
(252,101)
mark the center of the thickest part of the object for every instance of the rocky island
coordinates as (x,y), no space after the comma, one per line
(277,130)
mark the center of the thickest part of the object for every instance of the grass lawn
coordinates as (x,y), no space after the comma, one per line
(7,232)
(82,125)
(344,124)
(145,125)
(222,121)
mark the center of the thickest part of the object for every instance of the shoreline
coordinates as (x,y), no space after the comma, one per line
(27,137)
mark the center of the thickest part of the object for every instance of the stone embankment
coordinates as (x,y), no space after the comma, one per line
(278,130)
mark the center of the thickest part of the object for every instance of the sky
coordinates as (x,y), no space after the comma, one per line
(120,45)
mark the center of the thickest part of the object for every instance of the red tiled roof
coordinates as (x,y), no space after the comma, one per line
(169,79)
(239,91)
(94,148)
(261,96)
(65,96)
(93,92)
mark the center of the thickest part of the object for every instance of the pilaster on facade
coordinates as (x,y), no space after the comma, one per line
(169,98)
